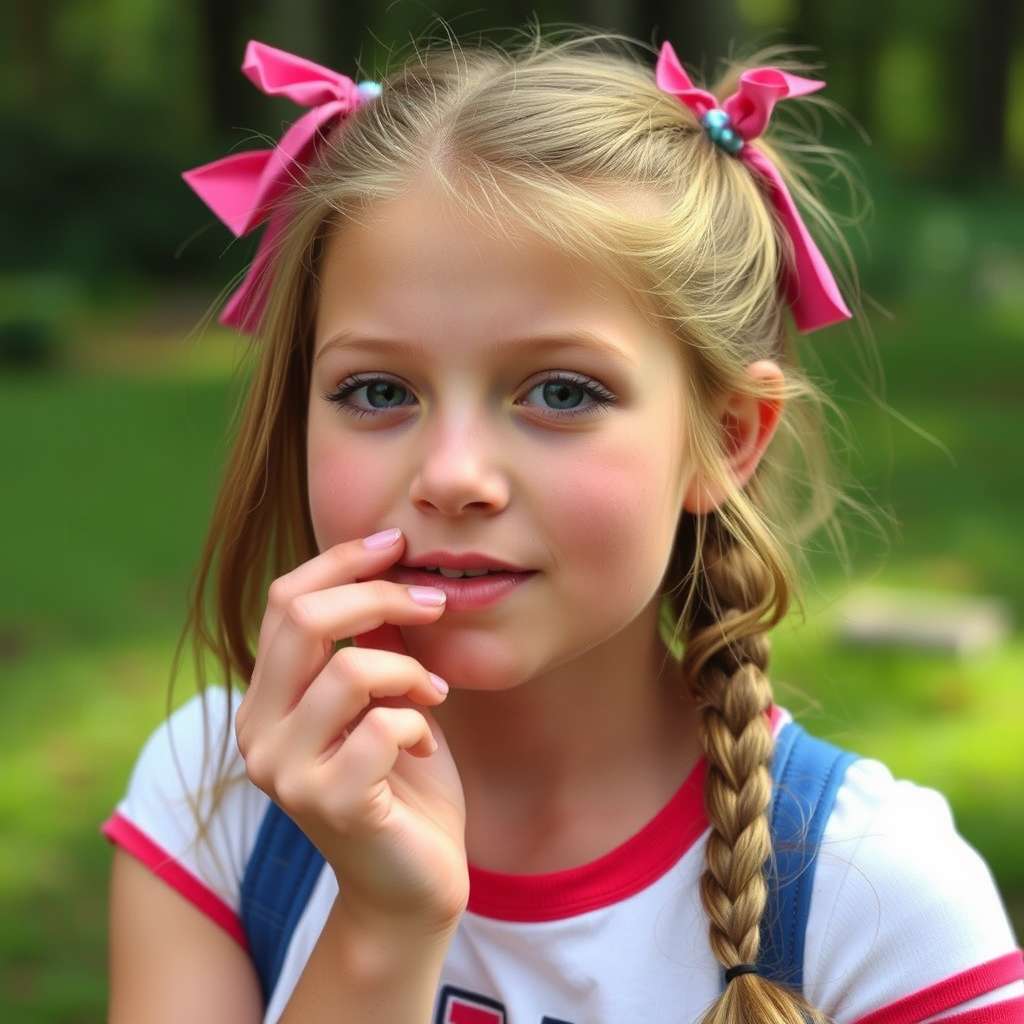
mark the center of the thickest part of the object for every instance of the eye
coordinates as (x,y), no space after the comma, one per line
(568,394)
(370,395)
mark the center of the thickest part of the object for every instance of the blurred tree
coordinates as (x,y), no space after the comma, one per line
(992,32)
(849,36)
(936,75)
(34,76)
(229,96)
(101,101)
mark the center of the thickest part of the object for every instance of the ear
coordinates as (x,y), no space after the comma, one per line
(747,424)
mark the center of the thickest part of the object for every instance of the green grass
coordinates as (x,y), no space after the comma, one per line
(108,476)
(109,469)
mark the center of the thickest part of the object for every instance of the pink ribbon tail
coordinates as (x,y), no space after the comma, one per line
(244,307)
(808,285)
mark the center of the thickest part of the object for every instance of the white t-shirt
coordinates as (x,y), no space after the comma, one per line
(905,922)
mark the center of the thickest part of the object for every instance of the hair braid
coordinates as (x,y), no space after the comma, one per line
(737,599)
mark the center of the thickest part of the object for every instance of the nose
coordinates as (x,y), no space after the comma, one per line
(460,474)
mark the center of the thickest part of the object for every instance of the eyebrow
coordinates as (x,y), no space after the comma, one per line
(569,339)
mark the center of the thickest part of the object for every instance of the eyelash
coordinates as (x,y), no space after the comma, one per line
(600,396)
(342,394)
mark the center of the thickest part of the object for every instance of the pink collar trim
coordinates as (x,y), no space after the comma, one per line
(625,871)
(628,869)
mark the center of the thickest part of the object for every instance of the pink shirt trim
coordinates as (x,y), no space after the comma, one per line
(120,831)
(618,875)
(959,989)
(1009,1011)
(625,871)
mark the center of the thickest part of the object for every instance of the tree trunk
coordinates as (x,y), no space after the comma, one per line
(984,64)
(231,99)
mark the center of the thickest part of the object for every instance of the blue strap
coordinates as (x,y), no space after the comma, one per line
(278,881)
(807,773)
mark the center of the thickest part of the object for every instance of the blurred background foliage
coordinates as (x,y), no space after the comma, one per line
(102,102)
(113,408)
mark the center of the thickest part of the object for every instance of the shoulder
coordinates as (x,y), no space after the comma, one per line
(190,741)
(902,906)
(189,812)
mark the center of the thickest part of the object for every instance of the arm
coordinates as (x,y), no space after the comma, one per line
(358,973)
(168,961)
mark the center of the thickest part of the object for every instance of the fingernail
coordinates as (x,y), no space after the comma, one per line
(382,540)
(439,684)
(430,596)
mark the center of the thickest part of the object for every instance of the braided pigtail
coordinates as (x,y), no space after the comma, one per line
(737,598)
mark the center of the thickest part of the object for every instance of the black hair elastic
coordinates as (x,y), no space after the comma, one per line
(735,972)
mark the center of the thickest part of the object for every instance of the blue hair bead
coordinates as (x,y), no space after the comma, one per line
(718,126)
(368,91)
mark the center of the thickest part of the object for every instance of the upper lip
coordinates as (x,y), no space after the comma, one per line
(464,560)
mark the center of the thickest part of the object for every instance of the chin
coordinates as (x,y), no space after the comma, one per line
(470,662)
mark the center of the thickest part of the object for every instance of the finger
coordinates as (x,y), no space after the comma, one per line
(342,563)
(353,681)
(368,755)
(365,674)
(312,622)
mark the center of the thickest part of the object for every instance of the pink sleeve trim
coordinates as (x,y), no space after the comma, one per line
(953,992)
(1009,1011)
(120,831)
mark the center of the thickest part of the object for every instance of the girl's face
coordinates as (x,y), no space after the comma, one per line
(521,422)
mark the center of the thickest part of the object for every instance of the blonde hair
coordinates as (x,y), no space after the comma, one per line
(572,140)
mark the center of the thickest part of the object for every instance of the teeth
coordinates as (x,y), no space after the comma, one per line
(456,574)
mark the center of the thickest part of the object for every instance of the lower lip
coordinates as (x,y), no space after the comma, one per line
(468,593)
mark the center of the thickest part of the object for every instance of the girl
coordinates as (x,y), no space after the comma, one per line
(514,459)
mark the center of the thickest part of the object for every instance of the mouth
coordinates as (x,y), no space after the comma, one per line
(458,566)
(471,581)
(458,574)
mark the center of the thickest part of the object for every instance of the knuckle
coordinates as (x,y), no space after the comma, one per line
(300,614)
(259,767)
(338,556)
(347,665)
(381,591)
(290,793)
(384,724)
(279,593)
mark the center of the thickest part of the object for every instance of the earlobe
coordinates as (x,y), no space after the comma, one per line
(747,424)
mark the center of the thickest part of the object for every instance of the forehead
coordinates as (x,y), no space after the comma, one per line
(419,265)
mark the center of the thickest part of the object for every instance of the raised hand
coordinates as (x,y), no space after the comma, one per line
(344,741)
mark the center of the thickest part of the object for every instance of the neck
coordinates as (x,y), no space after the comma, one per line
(566,766)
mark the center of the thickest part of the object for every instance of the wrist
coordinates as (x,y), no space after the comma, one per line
(380,950)
(371,966)
(398,930)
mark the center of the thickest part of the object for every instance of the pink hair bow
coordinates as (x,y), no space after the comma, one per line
(809,286)
(242,189)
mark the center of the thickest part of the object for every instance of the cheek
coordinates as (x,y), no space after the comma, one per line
(618,510)
(343,481)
